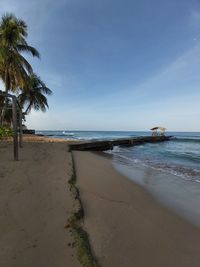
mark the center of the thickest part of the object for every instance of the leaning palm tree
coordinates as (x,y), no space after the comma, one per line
(14,68)
(33,96)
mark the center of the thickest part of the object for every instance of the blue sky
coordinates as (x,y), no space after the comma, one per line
(115,65)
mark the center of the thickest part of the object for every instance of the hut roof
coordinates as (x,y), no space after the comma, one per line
(158,128)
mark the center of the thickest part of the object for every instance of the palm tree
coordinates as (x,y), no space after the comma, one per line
(14,68)
(33,96)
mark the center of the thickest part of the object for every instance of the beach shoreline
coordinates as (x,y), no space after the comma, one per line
(121,216)
(172,191)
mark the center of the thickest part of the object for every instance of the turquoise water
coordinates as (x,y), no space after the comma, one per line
(180,156)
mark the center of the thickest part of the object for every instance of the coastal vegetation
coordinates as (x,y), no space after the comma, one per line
(5,132)
(16,72)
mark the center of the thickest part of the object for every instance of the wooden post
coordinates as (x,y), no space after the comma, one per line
(15,134)
(20,128)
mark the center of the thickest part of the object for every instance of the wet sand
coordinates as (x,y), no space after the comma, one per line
(180,195)
(34,205)
(127,227)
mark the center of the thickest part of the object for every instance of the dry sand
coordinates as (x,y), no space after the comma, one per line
(34,206)
(127,227)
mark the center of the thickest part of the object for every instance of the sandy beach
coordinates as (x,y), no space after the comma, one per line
(35,205)
(127,227)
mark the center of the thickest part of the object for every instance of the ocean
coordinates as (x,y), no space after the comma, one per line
(180,156)
(169,170)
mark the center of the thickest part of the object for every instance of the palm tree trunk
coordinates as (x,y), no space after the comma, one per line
(7,87)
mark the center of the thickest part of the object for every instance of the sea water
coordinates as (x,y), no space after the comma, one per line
(180,156)
(169,170)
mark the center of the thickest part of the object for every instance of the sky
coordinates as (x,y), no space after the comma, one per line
(113,64)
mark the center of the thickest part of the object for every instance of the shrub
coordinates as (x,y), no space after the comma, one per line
(6,132)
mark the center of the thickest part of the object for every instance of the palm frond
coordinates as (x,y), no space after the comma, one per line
(23,62)
(33,96)
(28,49)
(13,65)
(45,90)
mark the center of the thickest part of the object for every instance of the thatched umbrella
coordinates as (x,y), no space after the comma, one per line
(158,128)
